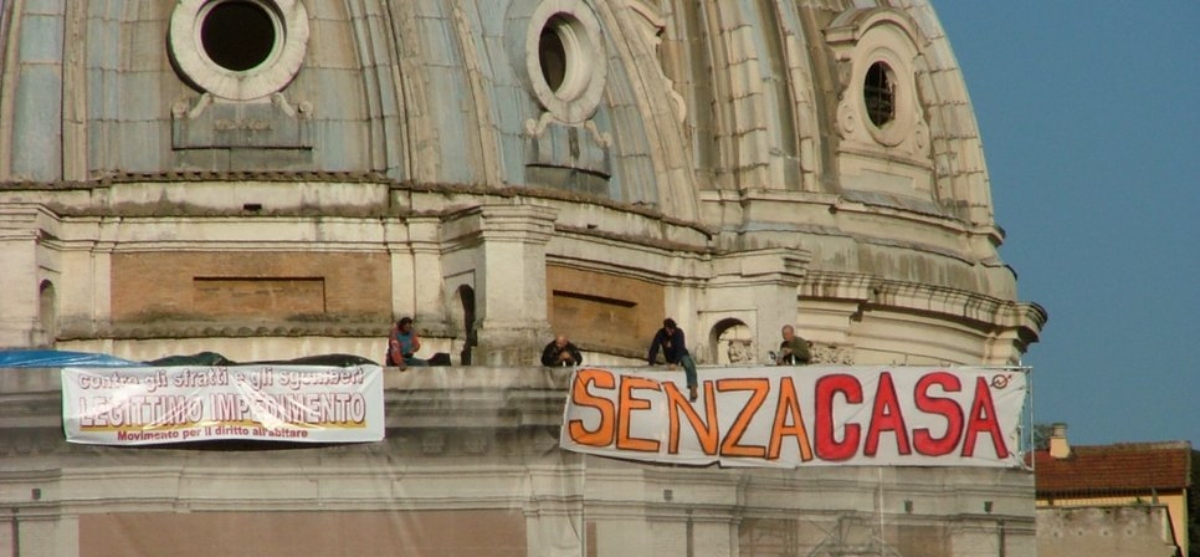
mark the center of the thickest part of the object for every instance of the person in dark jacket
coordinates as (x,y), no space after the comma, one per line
(561,353)
(670,339)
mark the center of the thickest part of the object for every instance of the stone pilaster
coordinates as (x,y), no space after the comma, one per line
(416,273)
(505,246)
(757,288)
(19,321)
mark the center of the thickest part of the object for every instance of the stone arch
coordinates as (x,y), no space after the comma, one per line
(732,342)
(48,311)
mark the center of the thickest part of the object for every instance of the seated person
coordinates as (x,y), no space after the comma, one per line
(403,343)
(561,353)
(793,350)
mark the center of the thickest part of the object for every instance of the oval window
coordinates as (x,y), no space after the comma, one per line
(879,94)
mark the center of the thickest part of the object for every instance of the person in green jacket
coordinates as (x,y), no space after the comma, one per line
(793,350)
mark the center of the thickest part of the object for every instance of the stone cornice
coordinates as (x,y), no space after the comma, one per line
(549,194)
(368,178)
(771,266)
(666,245)
(656,276)
(911,296)
(512,223)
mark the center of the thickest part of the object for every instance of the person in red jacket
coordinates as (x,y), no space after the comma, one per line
(403,343)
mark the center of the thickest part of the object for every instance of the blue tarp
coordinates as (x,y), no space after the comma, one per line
(60,358)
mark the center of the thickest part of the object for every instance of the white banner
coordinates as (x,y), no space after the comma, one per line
(800,416)
(144,406)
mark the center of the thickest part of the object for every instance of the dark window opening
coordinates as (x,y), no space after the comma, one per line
(48,312)
(238,36)
(596,299)
(879,93)
(552,54)
(466,295)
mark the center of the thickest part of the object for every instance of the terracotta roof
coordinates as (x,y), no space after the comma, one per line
(1122,467)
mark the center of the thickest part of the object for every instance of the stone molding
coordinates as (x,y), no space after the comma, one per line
(778,266)
(522,223)
(868,289)
(833,354)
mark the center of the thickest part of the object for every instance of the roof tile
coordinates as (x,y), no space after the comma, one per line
(1114,468)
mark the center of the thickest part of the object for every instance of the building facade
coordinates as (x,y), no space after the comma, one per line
(471,466)
(278,178)
(1121,499)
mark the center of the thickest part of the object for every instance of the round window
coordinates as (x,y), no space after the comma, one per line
(879,94)
(238,49)
(239,35)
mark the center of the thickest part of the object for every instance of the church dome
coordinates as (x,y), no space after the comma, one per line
(291,175)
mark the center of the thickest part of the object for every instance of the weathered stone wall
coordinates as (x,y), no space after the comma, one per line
(471,466)
(1120,531)
(430,533)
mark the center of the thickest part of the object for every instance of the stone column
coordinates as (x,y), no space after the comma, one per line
(506,247)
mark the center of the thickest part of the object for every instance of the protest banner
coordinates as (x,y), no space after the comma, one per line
(142,406)
(800,416)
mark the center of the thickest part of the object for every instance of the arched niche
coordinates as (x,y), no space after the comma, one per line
(48,311)
(732,342)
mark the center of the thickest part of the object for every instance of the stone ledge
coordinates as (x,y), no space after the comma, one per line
(369,178)
(204,329)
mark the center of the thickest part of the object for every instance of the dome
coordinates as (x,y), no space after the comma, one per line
(282,176)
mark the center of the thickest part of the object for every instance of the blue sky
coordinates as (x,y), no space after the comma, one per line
(1090,117)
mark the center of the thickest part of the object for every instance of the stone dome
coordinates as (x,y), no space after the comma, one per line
(274,176)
